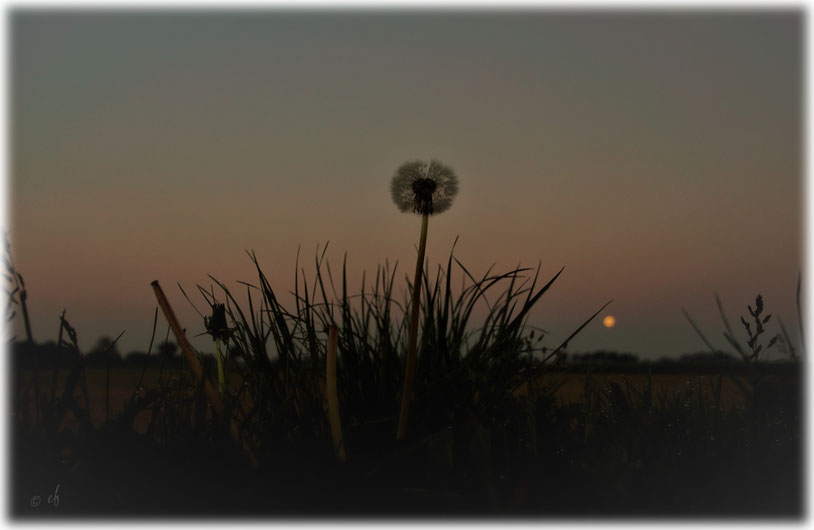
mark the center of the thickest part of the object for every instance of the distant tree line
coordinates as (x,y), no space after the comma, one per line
(696,362)
(104,353)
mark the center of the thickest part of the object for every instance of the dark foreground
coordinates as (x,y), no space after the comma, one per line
(621,448)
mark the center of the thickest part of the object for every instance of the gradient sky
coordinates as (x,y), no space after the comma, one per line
(657,156)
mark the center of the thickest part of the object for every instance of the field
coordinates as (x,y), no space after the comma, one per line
(570,387)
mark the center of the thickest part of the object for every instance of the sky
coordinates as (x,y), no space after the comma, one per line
(657,156)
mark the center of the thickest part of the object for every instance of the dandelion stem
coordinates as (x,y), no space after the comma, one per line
(409,369)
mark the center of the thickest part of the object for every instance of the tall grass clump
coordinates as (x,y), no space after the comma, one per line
(464,374)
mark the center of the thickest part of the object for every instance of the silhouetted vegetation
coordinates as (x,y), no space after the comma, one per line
(167,349)
(489,432)
(104,352)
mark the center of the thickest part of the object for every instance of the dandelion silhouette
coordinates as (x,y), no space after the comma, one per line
(424,188)
(216,324)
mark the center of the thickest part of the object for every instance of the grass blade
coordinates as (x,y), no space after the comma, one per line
(332,397)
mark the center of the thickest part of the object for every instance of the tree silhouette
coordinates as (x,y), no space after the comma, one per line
(104,350)
(167,349)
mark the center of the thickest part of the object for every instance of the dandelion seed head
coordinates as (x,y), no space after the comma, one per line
(216,324)
(424,187)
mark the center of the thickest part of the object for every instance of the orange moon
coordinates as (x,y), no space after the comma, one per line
(609,321)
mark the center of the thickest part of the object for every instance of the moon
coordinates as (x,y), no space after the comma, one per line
(609,321)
